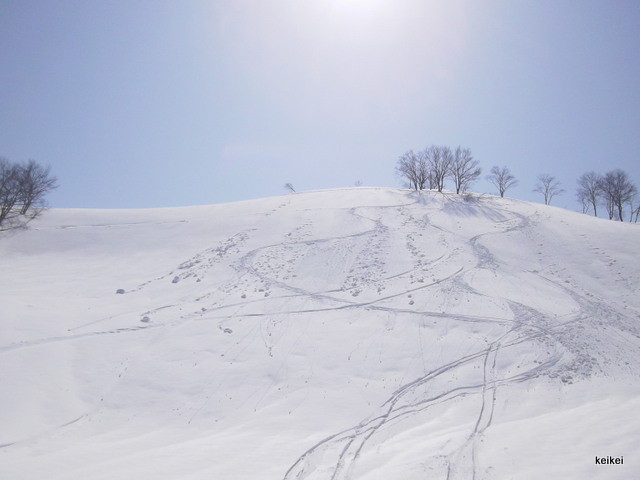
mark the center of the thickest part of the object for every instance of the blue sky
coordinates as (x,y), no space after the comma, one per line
(168,103)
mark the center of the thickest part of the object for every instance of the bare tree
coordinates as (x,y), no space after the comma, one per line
(633,209)
(627,195)
(502,179)
(413,168)
(35,182)
(631,201)
(589,192)
(406,168)
(607,193)
(23,188)
(583,201)
(439,161)
(423,174)
(9,188)
(548,186)
(464,169)
(617,191)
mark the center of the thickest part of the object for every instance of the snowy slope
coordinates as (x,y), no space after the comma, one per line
(344,334)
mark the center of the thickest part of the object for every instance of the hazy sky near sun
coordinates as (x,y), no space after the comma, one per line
(143,103)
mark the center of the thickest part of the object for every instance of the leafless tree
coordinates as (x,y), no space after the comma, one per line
(413,168)
(464,169)
(35,182)
(589,192)
(628,195)
(633,210)
(406,168)
(502,179)
(617,191)
(608,195)
(584,201)
(23,188)
(548,186)
(439,161)
(424,176)
(9,188)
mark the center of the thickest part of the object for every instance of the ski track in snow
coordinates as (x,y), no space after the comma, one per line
(347,446)
(268,270)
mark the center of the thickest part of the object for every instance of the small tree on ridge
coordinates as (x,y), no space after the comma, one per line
(464,169)
(439,161)
(548,186)
(589,192)
(413,168)
(23,188)
(502,179)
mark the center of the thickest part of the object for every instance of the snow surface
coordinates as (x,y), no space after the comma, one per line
(361,333)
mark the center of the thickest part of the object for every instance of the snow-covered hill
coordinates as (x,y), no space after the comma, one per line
(346,334)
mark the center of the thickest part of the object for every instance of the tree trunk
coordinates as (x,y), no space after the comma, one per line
(620,211)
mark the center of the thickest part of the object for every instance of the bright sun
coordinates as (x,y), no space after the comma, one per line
(357,7)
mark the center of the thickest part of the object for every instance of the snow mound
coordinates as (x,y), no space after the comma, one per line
(363,333)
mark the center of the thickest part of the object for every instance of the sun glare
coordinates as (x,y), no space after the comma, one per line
(357,7)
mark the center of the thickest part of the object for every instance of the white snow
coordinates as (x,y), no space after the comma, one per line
(362,333)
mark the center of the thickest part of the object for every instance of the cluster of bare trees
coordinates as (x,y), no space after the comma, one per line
(613,190)
(431,167)
(23,187)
